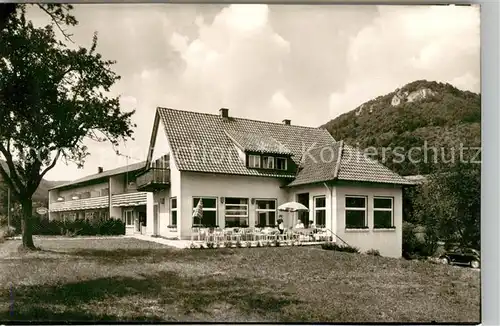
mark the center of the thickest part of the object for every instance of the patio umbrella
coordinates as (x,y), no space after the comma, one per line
(198,211)
(292,207)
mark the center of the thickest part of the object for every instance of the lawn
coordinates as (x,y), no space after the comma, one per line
(130,280)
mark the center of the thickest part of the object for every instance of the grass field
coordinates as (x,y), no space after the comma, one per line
(130,280)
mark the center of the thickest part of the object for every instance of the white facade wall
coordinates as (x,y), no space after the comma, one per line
(218,185)
(387,241)
(162,198)
(92,188)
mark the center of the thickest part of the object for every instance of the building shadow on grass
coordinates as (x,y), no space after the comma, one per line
(161,297)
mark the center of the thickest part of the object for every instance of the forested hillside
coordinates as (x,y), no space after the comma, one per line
(420,115)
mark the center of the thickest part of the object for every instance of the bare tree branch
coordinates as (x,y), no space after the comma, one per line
(13,177)
(52,164)
(55,20)
(10,184)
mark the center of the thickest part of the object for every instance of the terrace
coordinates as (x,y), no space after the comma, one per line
(256,237)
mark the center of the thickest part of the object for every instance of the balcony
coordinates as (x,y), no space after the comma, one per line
(129,199)
(80,204)
(153,179)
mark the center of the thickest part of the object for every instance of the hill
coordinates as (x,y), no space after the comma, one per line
(40,195)
(433,118)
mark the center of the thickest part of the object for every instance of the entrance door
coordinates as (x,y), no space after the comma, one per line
(303,216)
(155,219)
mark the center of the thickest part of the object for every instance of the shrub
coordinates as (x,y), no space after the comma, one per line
(413,247)
(373,252)
(42,226)
(346,248)
(328,245)
(337,247)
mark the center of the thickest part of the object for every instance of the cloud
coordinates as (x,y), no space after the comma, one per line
(403,44)
(272,62)
(235,62)
(280,102)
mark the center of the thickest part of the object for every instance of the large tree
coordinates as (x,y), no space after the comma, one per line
(449,205)
(52,98)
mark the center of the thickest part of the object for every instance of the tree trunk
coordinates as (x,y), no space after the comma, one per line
(27,224)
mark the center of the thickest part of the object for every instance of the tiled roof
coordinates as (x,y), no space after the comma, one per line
(355,166)
(318,165)
(343,162)
(104,174)
(200,142)
(256,142)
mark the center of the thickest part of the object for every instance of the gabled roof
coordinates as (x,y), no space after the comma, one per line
(124,169)
(343,162)
(204,142)
(318,165)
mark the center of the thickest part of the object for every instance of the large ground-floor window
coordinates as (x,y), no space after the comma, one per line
(383,212)
(320,211)
(236,212)
(209,211)
(355,212)
(69,216)
(266,212)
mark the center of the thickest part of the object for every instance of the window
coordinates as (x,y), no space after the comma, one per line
(69,216)
(104,215)
(320,211)
(209,211)
(89,216)
(266,212)
(254,161)
(383,212)
(129,218)
(173,211)
(355,212)
(236,212)
(105,192)
(85,195)
(268,162)
(281,163)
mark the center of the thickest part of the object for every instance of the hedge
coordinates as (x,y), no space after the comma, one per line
(42,226)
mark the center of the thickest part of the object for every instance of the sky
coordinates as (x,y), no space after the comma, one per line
(268,62)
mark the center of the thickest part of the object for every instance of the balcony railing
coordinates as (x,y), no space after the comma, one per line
(153,179)
(80,204)
(129,199)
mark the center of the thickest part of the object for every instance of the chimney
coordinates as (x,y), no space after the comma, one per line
(224,113)
(100,169)
(287,122)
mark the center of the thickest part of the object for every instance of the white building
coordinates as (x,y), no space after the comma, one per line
(242,170)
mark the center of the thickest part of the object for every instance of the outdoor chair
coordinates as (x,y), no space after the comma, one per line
(195,233)
(249,234)
(236,235)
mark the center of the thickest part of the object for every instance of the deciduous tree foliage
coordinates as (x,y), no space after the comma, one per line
(449,205)
(52,97)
